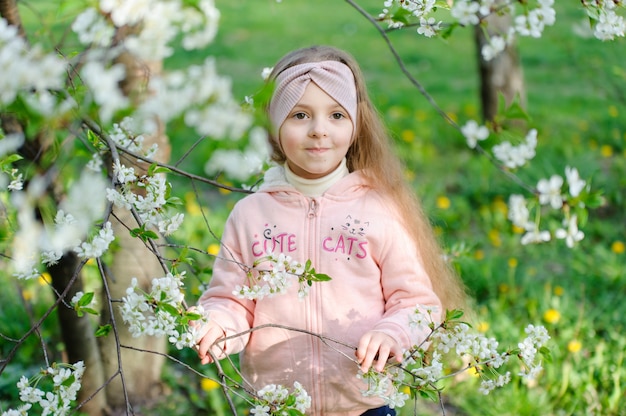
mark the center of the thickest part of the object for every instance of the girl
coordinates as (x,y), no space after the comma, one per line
(337,198)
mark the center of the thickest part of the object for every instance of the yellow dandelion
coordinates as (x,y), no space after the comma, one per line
(191,204)
(443,202)
(503,288)
(453,117)
(408,136)
(558,290)
(27,294)
(518,230)
(406,390)
(438,230)
(494,237)
(479,254)
(606,150)
(44,279)
(618,247)
(552,316)
(208,384)
(223,191)
(470,110)
(500,206)
(616,133)
(483,327)
(512,262)
(574,346)
(213,249)
(613,111)
(421,115)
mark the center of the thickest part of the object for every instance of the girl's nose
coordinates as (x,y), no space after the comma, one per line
(318,128)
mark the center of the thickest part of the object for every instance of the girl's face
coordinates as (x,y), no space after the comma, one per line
(316,135)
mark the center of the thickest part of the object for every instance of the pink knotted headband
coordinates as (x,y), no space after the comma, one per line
(335,78)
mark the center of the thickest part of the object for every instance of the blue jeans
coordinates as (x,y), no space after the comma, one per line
(381,411)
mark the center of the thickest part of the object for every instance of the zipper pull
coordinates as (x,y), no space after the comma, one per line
(313,208)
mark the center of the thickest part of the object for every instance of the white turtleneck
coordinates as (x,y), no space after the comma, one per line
(316,187)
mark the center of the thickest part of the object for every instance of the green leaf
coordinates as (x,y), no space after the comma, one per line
(169,309)
(454,314)
(321,277)
(103,330)
(143,234)
(291,400)
(90,311)
(402,15)
(546,353)
(93,138)
(429,394)
(174,200)
(85,299)
(193,316)
(9,160)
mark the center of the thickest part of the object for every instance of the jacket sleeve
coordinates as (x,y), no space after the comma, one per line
(232,314)
(406,286)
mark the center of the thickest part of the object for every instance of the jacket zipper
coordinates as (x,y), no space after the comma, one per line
(313,204)
(313,300)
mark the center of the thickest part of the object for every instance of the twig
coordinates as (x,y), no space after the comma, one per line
(431,100)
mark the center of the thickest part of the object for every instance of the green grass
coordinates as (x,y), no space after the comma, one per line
(576,96)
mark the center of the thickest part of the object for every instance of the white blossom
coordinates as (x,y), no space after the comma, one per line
(576,184)
(99,244)
(516,156)
(493,48)
(10,143)
(474,133)
(550,191)
(26,70)
(103,82)
(429,27)
(571,234)
(518,212)
(466,12)
(535,236)
(609,24)
(274,277)
(92,28)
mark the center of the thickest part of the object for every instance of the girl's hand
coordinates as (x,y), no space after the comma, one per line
(377,346)
(211,332)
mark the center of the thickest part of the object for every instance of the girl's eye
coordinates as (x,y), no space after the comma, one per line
(338,116)
(299,116)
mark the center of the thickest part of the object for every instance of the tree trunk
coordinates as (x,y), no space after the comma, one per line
(502,75)
(142,371)
(8,10)
(78,335)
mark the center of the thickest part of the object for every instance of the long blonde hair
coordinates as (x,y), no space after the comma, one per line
(372,153)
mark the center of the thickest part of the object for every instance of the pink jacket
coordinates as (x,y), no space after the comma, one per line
(350,233)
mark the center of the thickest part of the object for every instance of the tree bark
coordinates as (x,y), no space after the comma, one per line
(78,335)
(502,75)
(142,371)
(9,11)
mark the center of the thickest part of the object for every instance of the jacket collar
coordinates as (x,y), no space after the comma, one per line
(275,180)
